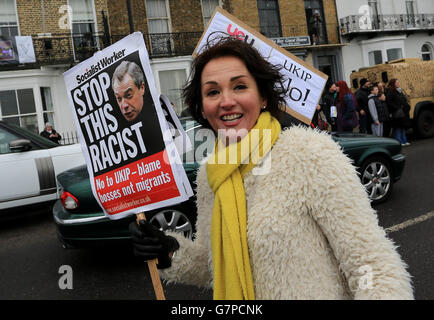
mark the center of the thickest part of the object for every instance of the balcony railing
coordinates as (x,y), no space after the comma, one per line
(393,22)
(58,49)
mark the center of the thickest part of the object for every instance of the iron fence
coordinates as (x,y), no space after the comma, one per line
(73,48)
(390,22)
(69,137)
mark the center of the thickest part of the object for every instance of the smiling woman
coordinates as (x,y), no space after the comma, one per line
(300,228)
(231,98)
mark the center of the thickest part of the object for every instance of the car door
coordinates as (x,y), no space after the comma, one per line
(25,175)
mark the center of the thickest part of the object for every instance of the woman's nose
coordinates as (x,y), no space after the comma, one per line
(227,100)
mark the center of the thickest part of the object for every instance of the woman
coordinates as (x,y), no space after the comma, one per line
(50,134)
(347,116)
(289,225)
(399,109)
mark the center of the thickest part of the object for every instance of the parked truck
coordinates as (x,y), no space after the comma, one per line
(417,82)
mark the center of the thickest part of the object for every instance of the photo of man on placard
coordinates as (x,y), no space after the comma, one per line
(128,83)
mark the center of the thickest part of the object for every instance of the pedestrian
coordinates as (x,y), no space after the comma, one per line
(377,111)
(50,133)
(288,224)
(382,97)
(346,105)
(362,106)
(329,105)
(315,25)
(399,108)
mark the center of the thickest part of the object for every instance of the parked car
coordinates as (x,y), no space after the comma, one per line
(80,221)
(29,165)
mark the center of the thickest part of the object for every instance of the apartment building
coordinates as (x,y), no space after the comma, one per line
(40,39)
(377,31)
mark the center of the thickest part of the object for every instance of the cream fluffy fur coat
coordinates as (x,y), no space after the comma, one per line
(311,231)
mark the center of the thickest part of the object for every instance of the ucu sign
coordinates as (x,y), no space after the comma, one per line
(240,35)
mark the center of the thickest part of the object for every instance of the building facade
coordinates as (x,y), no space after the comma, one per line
(377,31)
(61,33)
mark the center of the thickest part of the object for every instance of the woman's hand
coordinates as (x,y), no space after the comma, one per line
(150,243)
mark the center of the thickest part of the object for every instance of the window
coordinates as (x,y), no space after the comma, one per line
(269,18)
(409,5)
(393,54)
(375,57)
(208,7)
(47,105)
(315,21)
(158,23)
(5,139)
(8,19)
(171,83)
(18,107)
(83,28)
(427,52)
(327,65)
(373,9)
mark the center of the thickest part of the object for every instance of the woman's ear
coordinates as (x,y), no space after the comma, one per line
(264,104)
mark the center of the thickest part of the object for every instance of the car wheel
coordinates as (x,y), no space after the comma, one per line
(376,177)
(425,123)
(173,220)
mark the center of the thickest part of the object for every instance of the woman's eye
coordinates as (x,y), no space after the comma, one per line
(240,87)
(212,93)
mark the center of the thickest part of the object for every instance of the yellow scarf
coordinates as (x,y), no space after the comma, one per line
(231,265)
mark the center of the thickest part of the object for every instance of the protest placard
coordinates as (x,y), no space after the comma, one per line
(303,83)
(132,160)
(179,136)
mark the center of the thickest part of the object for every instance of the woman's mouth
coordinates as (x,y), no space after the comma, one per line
(231,117)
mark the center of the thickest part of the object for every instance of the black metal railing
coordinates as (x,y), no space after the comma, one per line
(69,137)
(386,22)
(67,48)
(56,49)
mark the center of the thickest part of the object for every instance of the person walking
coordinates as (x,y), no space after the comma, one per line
(329,100)
(377,111)
(382,96)
(362,106)
(286,224)
(399,109)
(347,116)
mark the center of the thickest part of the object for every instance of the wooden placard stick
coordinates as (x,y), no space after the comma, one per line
(153,271)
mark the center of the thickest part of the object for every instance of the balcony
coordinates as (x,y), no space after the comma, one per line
(58,49)
(359,24)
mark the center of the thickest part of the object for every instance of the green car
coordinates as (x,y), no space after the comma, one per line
(80,221)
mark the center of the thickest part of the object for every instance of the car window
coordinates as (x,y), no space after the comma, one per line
(5,139)
(43,142)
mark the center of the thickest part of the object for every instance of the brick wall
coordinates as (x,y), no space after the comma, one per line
(293,18)
(331,21)
(246,11)
(31,16)
(118,16)
(186,15)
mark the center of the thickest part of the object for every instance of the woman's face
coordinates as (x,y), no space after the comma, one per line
(230,97)
(397,84)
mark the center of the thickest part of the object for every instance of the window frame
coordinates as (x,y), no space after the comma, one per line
(373,53)
(169,28)
(17,21)
(94,23)
(20,115)
(430,52)
(279,20)
(168,18)
(203,15)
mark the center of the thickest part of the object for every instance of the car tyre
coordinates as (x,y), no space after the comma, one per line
(376,177)
(425,123)
(173,220)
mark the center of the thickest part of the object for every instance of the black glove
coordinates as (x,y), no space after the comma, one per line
(150,243)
